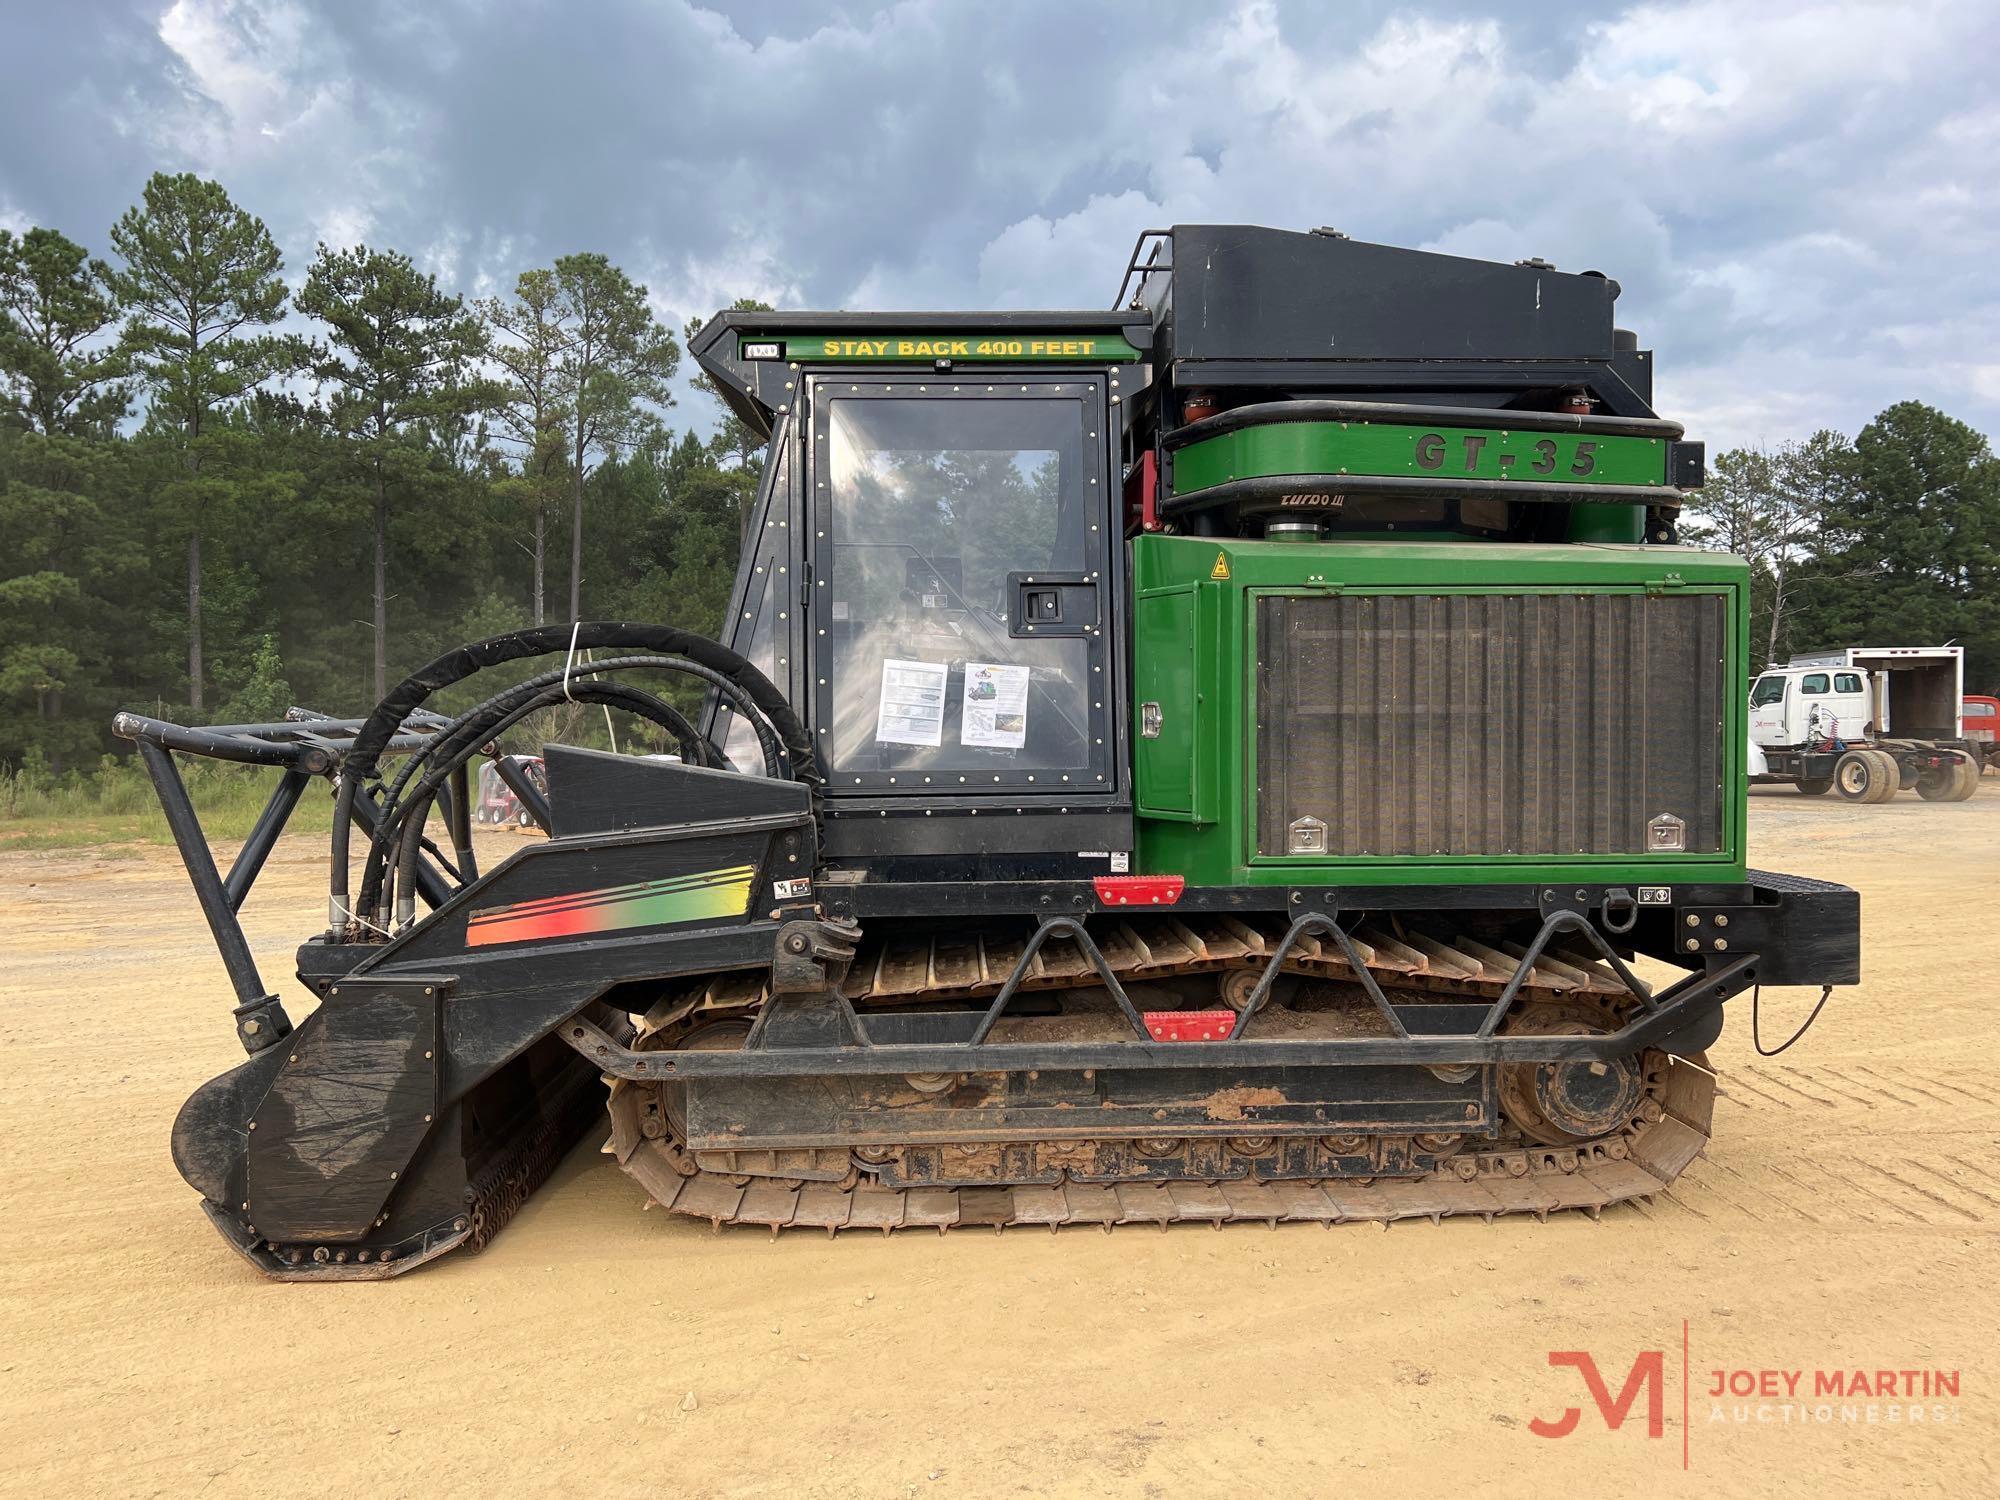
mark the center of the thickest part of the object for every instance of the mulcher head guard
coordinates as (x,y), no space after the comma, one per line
(425,1098)
(1223,757)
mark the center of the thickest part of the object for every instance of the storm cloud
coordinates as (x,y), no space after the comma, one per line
(1802,202)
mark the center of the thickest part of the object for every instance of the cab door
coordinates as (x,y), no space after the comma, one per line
(959,599)
(1767,710)
(1810,715)
(1849,703)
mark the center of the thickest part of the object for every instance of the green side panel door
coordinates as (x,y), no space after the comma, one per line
(1163,677)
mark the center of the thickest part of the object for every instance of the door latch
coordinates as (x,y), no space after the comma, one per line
(1044,604)
(1149,721)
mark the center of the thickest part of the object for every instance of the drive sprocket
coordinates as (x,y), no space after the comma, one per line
(1567,1103)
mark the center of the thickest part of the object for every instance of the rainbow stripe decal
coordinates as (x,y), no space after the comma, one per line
(646,903)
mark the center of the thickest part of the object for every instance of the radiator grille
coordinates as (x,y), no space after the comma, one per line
(1489,723)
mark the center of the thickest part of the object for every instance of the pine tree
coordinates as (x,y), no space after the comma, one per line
(400,361)
(616,363)
(72,598)
(1911,556)
(529,336)
(199,282)
(60,372)
(1772,507)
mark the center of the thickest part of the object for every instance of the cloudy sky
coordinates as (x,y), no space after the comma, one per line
(1802,201)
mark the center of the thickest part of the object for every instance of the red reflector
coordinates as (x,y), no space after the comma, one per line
(1139,890)
(1189,1025)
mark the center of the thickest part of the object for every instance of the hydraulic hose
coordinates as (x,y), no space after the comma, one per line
(479,725)
(753,694)
(400,885)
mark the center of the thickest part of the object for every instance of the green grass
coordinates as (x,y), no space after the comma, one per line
(114,804)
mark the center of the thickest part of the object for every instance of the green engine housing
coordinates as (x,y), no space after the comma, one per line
(1456,713)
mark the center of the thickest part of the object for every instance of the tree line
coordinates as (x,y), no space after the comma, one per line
(1889,539)
(219,498)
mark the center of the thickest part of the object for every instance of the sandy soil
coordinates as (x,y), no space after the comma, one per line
(1848,1214)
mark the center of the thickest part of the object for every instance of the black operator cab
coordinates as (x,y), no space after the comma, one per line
(933,573)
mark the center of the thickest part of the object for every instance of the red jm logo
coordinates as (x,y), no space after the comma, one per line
(1648,1370)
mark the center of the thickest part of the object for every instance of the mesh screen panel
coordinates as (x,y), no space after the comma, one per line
(1489,723)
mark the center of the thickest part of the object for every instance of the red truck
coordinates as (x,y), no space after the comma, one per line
(1982,724)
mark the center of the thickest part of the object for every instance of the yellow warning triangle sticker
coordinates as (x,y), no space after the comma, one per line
(1221,568)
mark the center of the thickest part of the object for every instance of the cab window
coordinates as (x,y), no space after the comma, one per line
(1815,682)
(1768,690)
(760,609)
(1847,682)
(760,629)
(935,509)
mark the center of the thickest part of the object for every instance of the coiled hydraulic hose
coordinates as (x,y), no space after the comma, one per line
(748,692)
(460,740)
(456,742)
(694,749)
(414,811)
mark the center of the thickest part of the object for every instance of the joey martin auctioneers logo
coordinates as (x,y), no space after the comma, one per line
(1844,1396)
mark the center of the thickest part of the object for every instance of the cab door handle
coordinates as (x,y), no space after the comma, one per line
(1044,604)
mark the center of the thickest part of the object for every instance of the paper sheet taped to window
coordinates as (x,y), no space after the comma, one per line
(911,708)
(995,708)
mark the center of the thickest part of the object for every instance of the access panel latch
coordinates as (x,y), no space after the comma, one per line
(1044,604)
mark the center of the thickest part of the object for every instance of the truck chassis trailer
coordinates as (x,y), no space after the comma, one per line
(1866,722)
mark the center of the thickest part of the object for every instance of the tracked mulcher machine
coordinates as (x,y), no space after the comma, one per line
(1220,758)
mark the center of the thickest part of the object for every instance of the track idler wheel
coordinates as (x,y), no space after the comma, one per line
(714,1036)
(1564,1103)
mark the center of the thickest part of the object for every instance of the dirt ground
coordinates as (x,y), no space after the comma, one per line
(1847,1216)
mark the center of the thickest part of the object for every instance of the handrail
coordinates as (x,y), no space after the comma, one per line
(1151,268)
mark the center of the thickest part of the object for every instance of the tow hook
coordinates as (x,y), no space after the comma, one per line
(1621,911)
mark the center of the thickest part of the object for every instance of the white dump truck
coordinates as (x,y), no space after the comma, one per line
(1866,722)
